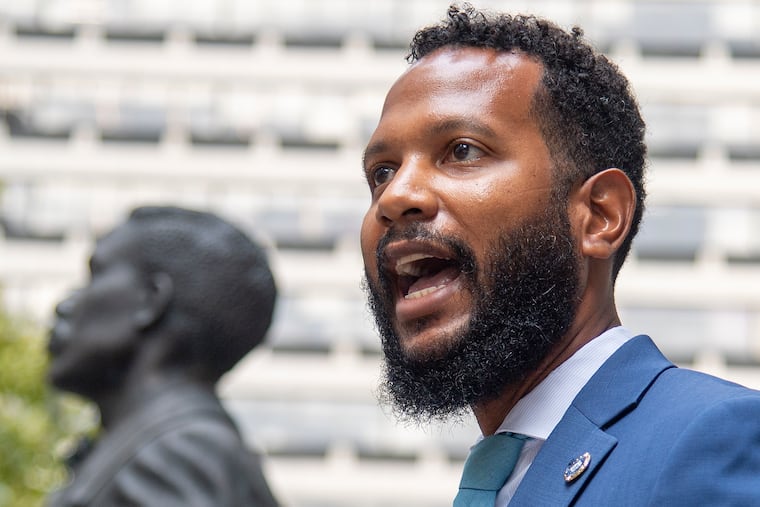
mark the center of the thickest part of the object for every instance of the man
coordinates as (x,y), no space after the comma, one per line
(175,299)
(506,178)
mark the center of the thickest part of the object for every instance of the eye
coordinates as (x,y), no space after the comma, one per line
(381,175)
(465,152)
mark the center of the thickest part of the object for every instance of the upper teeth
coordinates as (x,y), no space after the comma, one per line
(406,266)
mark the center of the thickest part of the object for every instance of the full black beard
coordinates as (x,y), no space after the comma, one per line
(524,303)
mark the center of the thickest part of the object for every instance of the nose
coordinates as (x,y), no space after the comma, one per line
(66,307)
(409,196)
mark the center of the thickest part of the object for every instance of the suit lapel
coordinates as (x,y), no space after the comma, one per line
(611,393)
(544,484)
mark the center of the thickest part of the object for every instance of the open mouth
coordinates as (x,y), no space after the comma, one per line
(420,274)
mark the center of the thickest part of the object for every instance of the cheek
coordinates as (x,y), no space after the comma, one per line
(108,317)
(369,238)
(495,204)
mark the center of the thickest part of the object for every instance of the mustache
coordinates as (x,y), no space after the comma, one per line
(421,232)
(414,231)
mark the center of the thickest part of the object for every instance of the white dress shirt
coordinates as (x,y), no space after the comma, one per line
(539,411)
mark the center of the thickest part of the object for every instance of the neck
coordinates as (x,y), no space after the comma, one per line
(136,391)
(490,414)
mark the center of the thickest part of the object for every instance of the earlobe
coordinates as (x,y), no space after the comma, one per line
(158,292)
(608,202)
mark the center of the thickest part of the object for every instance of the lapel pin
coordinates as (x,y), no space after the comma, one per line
(576,467)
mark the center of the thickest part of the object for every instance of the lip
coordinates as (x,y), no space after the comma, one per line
(57,339)
(397,251)
(425,303)
(408,310)
(55,345)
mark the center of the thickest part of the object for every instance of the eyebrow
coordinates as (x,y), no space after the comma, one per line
(468,124)
(442,127)
(373,149)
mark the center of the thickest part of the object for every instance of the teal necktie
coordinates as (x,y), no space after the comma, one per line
(487,468)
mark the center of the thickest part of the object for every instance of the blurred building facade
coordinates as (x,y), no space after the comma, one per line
(259,110)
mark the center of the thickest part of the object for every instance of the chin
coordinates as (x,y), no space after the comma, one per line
(63,384)
(55,376)
(73,381)
(426,342)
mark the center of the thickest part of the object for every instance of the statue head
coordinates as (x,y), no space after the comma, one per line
(170,288)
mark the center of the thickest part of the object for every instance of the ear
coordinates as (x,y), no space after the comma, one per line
(606,202)
(158,291)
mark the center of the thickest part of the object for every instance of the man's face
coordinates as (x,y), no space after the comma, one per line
(95,336)
(463,244)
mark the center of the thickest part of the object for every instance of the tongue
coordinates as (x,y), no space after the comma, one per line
(436,279)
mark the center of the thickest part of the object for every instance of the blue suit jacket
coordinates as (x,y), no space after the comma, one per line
(657,435)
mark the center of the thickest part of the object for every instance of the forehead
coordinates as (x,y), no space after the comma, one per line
(119,244)
(482,78)
(455,92)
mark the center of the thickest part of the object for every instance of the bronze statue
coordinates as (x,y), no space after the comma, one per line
(175,299)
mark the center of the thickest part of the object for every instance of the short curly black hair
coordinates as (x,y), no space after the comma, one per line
(585,108)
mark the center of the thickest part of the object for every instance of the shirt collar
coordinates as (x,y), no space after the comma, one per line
(539,411)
